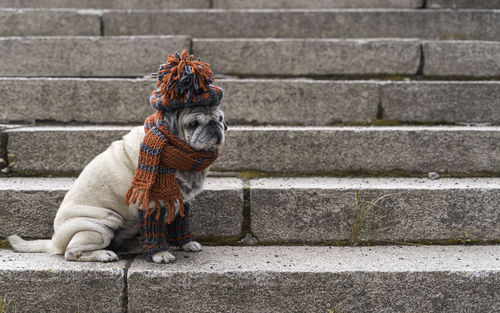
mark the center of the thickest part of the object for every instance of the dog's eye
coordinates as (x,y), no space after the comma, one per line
(220,118)
(193,124)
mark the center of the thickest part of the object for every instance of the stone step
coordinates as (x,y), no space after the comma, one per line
(413,210)
(462,59)
(256,101)
(108,4)
(86,56)
(281,209)
(317,57)
(316,150)
(48,283)
(440,279)
(315,4)
(28,207)
(307,23)
(110,56)
(457,4)
(16,22)
(219,4)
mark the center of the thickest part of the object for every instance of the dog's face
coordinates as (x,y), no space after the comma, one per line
(201,127)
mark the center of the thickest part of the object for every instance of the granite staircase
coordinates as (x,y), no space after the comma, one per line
(322,198)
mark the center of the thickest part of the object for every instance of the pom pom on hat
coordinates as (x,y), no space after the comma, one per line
(184,82)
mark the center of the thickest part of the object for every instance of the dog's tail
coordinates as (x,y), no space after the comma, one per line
(21,245)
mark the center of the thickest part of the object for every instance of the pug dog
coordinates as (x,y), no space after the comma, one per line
(93,222)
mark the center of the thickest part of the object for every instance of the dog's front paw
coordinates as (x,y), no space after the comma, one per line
(192,246)
(163,257)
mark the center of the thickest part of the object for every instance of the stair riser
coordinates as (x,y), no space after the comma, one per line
(292,150)
(429,24)
(414,211)
(310,57)
(278,102)
(86,56)
(280,4)
(464,59)
(110,56)
(262,279)
(108,4)
(324,213)
(456,4)
(30,213)
(48,23)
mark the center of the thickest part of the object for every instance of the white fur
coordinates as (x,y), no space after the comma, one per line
(94,212)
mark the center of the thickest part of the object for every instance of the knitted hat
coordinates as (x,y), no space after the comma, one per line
(184,82)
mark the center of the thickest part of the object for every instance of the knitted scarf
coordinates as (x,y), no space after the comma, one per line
(161,155)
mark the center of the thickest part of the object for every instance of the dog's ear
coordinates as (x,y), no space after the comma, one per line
(171,118)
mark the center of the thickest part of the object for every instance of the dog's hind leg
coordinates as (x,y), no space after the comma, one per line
(87,246)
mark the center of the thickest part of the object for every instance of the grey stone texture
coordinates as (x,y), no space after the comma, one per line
(60,149)
(315,4)
(459,102)
(245,101)
(313,57)
(298,102)
(467,4)
(285,149)
(325,149)
(21,22)
(307,23)
(28,206)
(86,56)
(463,59)
(75,100)
(255,101)
(47,283)
(318,210)
(318,279)
(107,4)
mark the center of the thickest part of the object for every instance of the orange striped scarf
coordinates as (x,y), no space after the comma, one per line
(161,155)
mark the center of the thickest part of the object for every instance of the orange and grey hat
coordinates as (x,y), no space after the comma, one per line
(184,82)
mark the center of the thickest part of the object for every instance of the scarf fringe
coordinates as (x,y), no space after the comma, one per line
(141,197)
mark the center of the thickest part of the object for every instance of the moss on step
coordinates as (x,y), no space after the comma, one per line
(4,244)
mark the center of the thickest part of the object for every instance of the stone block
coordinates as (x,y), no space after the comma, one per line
(38,282)
(28,206)
(32,22)
(317,279)
(462,59)
(310,57)
(455,102)
(319,210)
(86,56)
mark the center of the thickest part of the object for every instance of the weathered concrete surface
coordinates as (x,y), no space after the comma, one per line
(318,279)
(459,102)
(457,4)
(48,283)
(324,209)
(76,99)
(309,56)
(62,149)
(245,101)
(28,206)
(307,23)
(462,58)
(285,149)
(311,4)
(298,102)
(107,4)
(86,56)
(324,149)
(20,22)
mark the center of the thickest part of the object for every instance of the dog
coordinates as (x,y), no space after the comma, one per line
(93,222)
